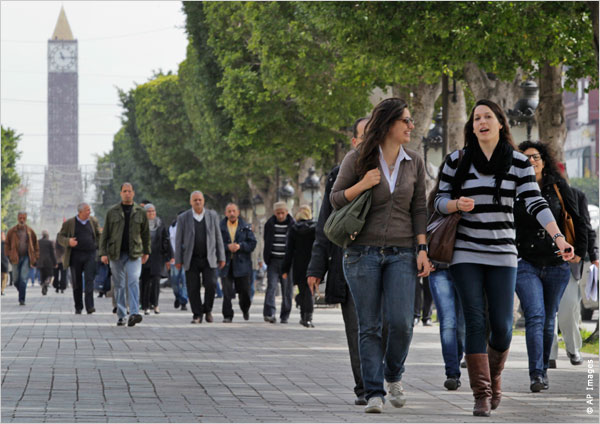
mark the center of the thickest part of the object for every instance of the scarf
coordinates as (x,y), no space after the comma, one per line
(498,166)
(154,224)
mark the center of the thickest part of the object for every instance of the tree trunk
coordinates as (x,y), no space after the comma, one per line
(421,106)
(484,86)
(457,118)
(550,113)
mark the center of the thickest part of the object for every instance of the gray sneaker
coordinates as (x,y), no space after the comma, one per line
(374,405)
(396,393)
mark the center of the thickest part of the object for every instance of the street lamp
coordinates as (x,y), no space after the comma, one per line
(259,205)
(524,110)
(434,139)
(286,191)
(312,184)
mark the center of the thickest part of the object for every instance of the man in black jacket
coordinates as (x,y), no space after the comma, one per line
(327,258)
(569,307)
(239,242)
(274,252)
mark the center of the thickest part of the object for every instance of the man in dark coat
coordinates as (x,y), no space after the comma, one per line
(80,236)
(239,242)
(327,259)
(276,229)
(60,272)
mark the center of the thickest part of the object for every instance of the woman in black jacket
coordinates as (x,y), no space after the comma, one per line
(161,254)
(46,262)
(542,275)
(298,250)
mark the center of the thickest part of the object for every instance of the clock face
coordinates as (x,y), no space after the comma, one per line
(63,58)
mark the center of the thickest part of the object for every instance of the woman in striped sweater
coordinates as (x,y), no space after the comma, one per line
(483,187)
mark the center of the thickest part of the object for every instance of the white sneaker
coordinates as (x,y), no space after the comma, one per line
(396,394)
(374,406)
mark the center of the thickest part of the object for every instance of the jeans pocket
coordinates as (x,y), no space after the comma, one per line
(351,257)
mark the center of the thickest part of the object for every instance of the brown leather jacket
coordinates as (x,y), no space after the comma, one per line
(12,245)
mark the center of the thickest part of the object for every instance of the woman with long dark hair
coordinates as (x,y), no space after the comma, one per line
(381,265)
(542,276)
(483,187)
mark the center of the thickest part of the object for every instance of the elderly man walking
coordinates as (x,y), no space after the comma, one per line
(79,236)
(199,248)
(22,249)
(125,241)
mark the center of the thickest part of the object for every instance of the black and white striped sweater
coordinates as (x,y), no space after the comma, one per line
(486,235)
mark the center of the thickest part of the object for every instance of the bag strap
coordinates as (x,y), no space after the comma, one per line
(560,199)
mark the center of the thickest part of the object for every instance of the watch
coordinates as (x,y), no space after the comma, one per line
(557,235)
(422,247)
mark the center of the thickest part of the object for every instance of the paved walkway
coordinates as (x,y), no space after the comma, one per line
(62,367)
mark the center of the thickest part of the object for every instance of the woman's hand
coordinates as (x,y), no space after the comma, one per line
(566,250)
(465,204)
(423,264)
(371,178)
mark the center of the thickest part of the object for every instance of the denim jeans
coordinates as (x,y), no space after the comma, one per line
(126,276)
(539,290)
(452,321)
(382,279)
(480,285)
(20,273)
(177,277)
(274,276)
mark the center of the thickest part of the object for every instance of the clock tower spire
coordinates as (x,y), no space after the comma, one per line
(62,30)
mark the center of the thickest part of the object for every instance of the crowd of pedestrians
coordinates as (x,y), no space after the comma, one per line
(510,239)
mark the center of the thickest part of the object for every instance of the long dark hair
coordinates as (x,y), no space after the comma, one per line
(550,163)
(383,117)
(472,146)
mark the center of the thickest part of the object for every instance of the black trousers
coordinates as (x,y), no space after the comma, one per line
(149,289)
(231,285)
(423,299)
(60,277)
(45,275)
(305,299)
(200,268)
(83,266)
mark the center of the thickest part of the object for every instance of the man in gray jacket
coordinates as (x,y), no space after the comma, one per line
(199,248)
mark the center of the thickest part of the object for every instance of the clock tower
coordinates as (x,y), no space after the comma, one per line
(62,183)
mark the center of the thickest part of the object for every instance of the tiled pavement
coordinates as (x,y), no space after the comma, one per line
(62,367)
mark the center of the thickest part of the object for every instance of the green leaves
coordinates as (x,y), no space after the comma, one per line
(10,178)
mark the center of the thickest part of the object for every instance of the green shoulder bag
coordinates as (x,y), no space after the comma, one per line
(344,224)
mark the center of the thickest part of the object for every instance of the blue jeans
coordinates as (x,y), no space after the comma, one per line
(540,290)
(20,271)
(382,279)
(480,286)
(274,276)
(178,284)
(126,276)
(452,321)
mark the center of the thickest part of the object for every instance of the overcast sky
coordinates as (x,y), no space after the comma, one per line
(120,43)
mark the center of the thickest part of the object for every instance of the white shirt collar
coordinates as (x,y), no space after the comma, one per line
(391,179)
(199,217)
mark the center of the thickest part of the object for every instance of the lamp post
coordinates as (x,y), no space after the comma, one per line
(434,138)
(312,184)
(286,191)
(524,110)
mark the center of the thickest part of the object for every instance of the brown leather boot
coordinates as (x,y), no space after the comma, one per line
(479,377)
(496,360)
